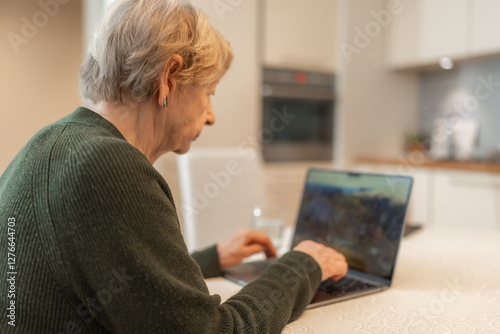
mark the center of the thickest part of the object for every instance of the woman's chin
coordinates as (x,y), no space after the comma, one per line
(183,150)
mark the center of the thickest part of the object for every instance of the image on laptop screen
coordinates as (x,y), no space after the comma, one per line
(359,215)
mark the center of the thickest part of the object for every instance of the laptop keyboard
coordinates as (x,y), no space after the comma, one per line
(344,286)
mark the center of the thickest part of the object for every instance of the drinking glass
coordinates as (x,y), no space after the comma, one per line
(270,219)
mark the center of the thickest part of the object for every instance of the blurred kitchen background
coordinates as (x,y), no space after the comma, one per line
(399,86)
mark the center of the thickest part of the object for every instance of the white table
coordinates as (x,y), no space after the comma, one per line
(446,281)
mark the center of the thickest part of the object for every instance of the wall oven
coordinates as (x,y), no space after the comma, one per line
(297,115)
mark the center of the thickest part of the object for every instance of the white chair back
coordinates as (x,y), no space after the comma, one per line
(219,188)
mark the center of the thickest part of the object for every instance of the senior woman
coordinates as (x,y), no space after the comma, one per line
(93,226)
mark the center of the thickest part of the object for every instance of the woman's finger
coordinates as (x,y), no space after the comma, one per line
(263,240)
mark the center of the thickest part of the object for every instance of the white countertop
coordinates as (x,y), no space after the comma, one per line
(446,281)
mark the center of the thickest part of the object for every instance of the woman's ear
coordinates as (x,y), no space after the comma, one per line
(169,78)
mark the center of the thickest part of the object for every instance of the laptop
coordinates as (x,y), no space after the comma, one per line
(362,216)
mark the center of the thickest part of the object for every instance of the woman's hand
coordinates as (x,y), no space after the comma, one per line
(332,263)
(243,244)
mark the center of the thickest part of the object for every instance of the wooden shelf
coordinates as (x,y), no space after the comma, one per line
(474,166)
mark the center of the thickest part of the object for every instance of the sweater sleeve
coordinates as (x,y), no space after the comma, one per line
(208,260)
(126,263)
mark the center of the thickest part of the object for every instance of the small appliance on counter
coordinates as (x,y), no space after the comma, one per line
(454,138)
(464,139)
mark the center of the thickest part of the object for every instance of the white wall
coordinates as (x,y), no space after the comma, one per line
(39,83)
(375,107)
(93,10)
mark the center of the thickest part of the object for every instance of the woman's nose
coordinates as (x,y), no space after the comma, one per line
(210,120)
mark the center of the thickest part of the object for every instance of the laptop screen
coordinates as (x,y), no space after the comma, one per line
(360,215)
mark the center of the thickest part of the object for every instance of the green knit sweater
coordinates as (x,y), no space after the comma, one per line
(91,243)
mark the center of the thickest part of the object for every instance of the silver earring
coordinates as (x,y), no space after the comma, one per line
(165,102)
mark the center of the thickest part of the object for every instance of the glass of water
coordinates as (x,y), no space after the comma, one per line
(271,221)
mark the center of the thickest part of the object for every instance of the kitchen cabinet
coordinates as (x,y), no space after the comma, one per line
(420,208)
(427,30)
(299,34)
(467,199)
(443,31)
(485,27)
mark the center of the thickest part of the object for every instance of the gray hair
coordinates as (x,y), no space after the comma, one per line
(134,42)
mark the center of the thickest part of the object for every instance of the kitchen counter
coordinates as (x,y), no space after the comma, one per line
(474,166)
